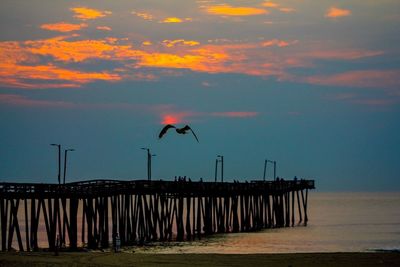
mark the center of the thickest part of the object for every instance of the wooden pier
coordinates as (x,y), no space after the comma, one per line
(143,211)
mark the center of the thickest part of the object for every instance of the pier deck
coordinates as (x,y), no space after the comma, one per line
(140,211)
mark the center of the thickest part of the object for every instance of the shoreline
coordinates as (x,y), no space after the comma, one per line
(95,258)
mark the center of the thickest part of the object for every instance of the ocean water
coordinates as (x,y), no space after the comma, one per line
(338,222)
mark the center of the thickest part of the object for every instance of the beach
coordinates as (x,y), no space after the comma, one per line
(142,259)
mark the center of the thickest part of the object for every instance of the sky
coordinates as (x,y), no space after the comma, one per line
(312,85)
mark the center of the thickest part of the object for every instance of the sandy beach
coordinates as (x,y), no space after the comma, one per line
(143,259)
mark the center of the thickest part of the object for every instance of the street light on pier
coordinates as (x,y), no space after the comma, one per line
(149,156)
(216,169)
(65,160)
(222,167)
(59,161)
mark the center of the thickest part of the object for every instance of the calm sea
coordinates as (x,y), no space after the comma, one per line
(338,222)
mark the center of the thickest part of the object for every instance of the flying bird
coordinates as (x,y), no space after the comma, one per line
(183,130)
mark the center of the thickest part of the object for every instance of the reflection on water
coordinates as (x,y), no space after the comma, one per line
(338,222)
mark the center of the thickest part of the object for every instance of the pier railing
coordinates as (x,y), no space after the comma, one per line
(139,211)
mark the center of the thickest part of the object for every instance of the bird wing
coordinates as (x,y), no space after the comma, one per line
(186,128)
(165,129)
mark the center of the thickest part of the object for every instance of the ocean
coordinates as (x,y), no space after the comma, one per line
(338,222)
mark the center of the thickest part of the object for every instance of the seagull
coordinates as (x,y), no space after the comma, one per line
(183,130)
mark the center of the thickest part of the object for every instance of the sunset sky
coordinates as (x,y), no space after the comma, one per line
(314,85)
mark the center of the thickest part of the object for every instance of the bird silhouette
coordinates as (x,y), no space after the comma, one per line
(183,130)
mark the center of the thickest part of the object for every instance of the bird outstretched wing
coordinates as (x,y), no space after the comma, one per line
(165,129)
(186,128)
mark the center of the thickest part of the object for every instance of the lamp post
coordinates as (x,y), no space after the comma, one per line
(216,170)
(222,167)
(149,156)
(65,160)
(59,161)
(265,168)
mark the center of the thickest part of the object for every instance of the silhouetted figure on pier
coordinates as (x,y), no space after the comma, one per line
(183,130)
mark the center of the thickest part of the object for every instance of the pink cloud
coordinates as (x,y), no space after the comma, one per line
(278,43)
(376,102)
(103,28)
(19,100)
(360,78)
(235,114)
(343,54)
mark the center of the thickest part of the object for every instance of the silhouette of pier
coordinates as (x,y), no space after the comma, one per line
(140,211)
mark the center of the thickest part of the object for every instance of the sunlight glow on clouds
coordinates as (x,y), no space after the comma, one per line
(228,10)
(147,43)
(21,61)
(187,116)
(85,13)
(335,12)
(278,43)
(171,43)
(143,15)
(103,28)
(270,4)
(175,20)
(273,5)
(171,118)
(63,27)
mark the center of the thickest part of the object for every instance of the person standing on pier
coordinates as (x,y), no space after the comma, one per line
(117,243)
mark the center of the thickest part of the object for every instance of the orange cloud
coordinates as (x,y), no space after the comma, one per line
(85,13)
(270,4)
(175,20)
(274,5)
(147,43)
(227,10)
(235,114)
(61,49)
(103,28)
(335,12)
(48,76)
(172,43)
(143,15)
(360,78)
(279,43)
(19,67)
(63,27)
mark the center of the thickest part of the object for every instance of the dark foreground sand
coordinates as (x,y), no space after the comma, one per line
(208,260)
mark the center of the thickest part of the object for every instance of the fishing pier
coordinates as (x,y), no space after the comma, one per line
(92,213)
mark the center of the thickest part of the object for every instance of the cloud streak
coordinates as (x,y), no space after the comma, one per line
(335,12)
(175,20)
(228,10)
(63,27)
(360,78)
(85,13)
